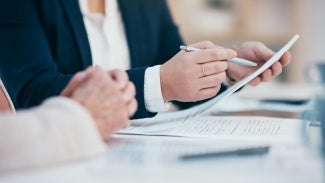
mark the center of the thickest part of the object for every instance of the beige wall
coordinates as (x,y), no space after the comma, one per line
(270,21)
(311,26)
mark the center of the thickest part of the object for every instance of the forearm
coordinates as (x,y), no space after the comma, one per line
(41,88)
(60,130)
(27,65)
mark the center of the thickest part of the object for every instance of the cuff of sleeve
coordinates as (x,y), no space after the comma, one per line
(152,91)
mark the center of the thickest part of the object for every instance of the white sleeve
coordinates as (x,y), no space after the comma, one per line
(152,91)
(59,130)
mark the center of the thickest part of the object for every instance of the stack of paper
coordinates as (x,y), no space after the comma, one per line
(230,128)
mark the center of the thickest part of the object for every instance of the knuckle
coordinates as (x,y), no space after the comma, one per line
(186,58)
(133,89)
(214,54)
(220,66)
(221,77)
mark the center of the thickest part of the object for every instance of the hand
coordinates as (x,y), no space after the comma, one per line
(122,79)
(258,52)
(99,94)
(75,82)
(127,88)
(197,75)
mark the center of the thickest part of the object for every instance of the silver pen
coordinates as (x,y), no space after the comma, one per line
(249,151)
(233,60)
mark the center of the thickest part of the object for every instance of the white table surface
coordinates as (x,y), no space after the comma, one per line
(142,159)
(132,160)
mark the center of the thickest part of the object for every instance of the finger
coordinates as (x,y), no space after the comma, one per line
(126,124)
(266,75)
(285,59)
(210,55)
(206,45)
(100,80)
(100,75)
(213,68)
(262,52)
(74,83)
(209,92)
(129,92)
(132,107)
(213,80)
(120,77)
(256,81)
(276,69)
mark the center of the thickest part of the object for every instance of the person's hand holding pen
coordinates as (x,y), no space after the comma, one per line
(197,75)
(259,53)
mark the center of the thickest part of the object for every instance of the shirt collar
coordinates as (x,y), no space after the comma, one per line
(111,7)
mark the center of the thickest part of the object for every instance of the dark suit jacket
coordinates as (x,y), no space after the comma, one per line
(44,42)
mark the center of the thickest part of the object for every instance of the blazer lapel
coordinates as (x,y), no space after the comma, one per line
(133,22)
(72,10)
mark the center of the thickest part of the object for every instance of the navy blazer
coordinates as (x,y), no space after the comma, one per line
(44,42)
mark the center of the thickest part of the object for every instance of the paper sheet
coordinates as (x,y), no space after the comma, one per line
(225,127)
(200,109)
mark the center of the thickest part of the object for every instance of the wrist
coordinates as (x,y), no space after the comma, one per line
(153,95)
(164,86)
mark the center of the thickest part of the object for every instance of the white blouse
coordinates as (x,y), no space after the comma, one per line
(109,49)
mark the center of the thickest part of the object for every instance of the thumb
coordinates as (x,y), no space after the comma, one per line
(74,83)
(120,77)
(262,52)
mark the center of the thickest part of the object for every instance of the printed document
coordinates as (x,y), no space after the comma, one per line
(226,127)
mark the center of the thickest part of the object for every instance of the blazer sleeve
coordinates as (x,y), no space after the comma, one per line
(167,42)
(58,131)
(27,66)
(170,40)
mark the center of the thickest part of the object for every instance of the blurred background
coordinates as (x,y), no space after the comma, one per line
(273,22)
